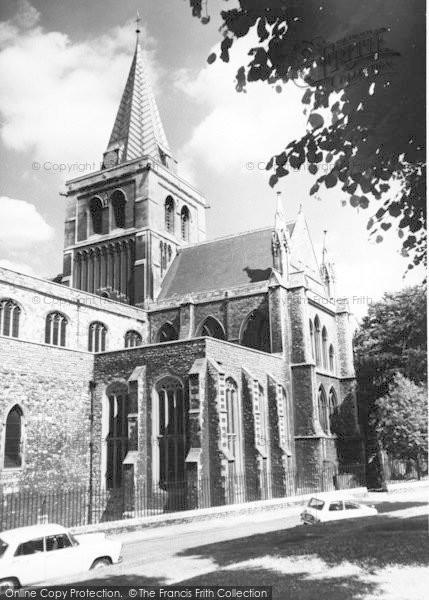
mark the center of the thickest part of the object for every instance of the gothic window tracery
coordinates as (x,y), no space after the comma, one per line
(97,335)
(10,314)
(56,329)
(133,339)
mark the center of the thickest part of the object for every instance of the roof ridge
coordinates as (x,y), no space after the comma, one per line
(229,236)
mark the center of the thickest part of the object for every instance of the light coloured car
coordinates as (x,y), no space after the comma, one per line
(32,554)
(320,510)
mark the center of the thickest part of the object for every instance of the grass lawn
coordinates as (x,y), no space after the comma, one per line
(383,557)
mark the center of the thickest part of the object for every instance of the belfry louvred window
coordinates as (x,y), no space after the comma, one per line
(56,329)
(10,313)
(169,214)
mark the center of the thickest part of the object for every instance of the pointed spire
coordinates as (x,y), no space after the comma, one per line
(327,270)
(138,130)
(325,250)
(280,222)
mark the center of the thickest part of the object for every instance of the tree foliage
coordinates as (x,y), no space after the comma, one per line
(390,340)
(401,420)
(363,68)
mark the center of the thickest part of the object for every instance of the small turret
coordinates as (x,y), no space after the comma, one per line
(327,270)
(280,245)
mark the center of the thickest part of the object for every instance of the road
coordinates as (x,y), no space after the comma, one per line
(164,555)
(155,554)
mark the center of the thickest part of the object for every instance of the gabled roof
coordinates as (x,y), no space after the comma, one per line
(221,264)
(138,130)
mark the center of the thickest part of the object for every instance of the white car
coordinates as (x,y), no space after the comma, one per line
(32,554)
(319,510)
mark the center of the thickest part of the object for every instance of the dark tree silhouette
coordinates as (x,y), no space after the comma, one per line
(363,67)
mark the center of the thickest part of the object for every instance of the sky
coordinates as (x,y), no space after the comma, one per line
(63,67)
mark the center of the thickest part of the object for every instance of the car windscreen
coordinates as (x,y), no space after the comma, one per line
(315,503)
(3,547)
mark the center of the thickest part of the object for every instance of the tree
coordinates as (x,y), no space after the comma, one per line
(363,67)
(401,421)
(391,339)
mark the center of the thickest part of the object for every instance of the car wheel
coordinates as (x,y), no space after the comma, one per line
(8,584)
(100,563)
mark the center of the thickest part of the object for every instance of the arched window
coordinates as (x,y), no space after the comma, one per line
(317,340)
(171,431)
(96,212)
(233,425)
(255,331)
(325,348)
(118,202)
(167,333)
(13,439)
(323,409)
(211,328)
(263,418)
(312,338)
(117,435)
(287,419)
(169,214)
(97,334)
(184,223)
(133,339)
(56,329)
(332,408)
(331,359)
(9,318)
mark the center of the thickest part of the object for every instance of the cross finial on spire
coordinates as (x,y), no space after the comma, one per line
(138,23)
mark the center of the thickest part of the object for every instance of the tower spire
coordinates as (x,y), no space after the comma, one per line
(138,129)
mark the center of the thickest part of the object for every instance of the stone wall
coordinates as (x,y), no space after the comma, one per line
(52,387)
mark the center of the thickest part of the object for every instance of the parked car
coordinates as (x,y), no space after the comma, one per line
(319,510)
(32,554)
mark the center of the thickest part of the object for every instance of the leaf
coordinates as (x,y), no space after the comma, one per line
(314,189)
(379,239)
(313,169)
(279,89)
(331,179)
(281,159)
(316,120)
(370,223)
(306,99)
(329,157)
(355,201)
(270,164)
(211,58)
(273,180)
(363,202)
(386,226)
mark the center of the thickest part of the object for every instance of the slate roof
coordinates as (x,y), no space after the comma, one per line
(138,129)
(221,264)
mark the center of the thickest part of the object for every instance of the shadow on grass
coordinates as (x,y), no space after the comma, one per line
(296,586)
(371,543)
(384,507)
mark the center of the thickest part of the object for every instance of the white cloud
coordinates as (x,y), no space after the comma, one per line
(239,128)
(54,91)
(18,267)
(21,225)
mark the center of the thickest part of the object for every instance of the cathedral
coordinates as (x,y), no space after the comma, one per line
(162,358)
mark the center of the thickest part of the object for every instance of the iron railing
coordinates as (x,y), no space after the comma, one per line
(82,506)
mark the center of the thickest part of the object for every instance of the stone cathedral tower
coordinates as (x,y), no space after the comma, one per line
(125,222)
